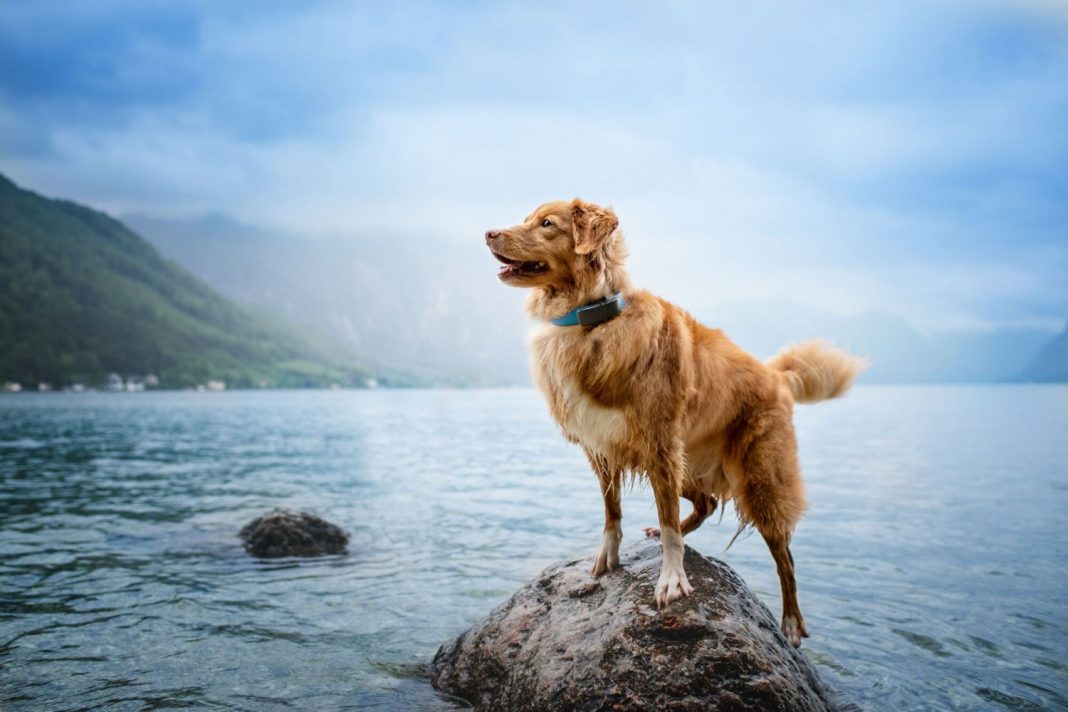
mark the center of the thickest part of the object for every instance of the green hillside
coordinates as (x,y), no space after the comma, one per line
(82,296)
(1051,364)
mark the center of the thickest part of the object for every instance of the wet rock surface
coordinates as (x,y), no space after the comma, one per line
(287,533)
(568,641)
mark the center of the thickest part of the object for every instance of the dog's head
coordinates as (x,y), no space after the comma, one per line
(562,245)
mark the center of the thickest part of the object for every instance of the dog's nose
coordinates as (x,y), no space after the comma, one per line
(492,235)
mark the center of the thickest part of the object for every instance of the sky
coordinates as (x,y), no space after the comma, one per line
(906,157)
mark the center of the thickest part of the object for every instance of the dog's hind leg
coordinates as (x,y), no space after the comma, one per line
(703,506)
(666,478)
(793,623)
(610,479)
(769,495)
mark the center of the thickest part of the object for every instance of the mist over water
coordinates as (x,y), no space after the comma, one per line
(931,565)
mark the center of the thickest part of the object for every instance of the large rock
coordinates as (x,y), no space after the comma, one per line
(567,641)
(287,533)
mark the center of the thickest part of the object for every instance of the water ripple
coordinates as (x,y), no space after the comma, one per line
(931,566)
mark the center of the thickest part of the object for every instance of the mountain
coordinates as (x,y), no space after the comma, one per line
(81,296)
(897,351)
(1051,364)
(997,355)
(431,308)
(437,308)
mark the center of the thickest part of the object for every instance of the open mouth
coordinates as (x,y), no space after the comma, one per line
(518,268)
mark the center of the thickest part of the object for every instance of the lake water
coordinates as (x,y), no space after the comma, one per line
(932,565)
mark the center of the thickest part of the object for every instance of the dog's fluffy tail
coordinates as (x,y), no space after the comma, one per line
(816,371)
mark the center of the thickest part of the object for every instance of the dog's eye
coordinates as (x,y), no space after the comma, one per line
(546,223)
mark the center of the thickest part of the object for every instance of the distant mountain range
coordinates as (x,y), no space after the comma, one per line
(1051,364)
(898,352)
(82,296)
(437,309)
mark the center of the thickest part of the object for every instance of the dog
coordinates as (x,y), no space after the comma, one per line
(647,391)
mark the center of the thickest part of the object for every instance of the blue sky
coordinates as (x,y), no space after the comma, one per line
(908,157)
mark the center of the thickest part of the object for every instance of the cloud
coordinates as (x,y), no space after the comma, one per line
(908,156)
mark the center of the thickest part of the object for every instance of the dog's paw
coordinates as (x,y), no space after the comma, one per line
(671,587)
(604,563)
(652,533)
(607,558)
(794,629)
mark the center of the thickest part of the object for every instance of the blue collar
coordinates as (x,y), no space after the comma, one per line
(594,313)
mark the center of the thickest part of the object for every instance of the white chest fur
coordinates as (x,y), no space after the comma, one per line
(592,425)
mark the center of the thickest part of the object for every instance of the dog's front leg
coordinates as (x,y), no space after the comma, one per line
(610,479)
(666,478)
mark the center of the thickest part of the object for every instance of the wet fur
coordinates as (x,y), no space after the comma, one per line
(654,393)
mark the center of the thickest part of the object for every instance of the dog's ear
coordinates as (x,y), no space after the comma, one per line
(591,225)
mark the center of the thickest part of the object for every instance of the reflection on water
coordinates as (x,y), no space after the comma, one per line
(932,563)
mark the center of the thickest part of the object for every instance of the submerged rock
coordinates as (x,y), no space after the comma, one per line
(568,641)
(287,533)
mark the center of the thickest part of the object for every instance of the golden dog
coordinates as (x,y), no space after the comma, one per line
(646,390)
